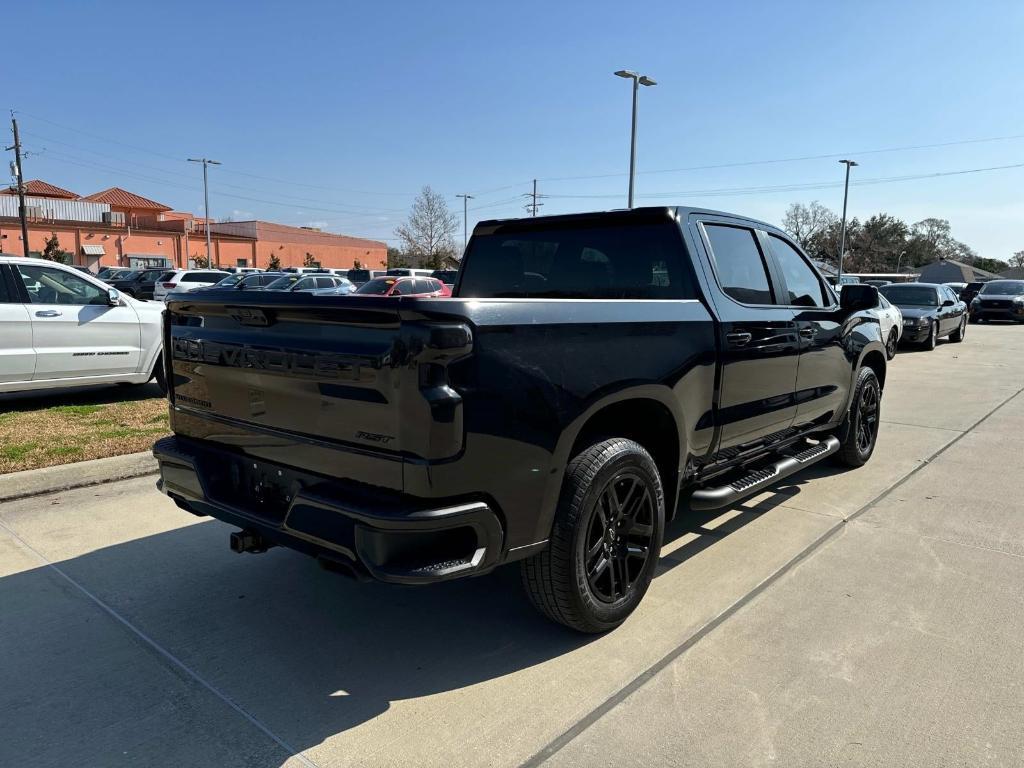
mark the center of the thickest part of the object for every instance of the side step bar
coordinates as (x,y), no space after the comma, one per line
(705,499)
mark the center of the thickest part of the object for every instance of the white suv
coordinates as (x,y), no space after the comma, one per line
(60,327)
(186,280)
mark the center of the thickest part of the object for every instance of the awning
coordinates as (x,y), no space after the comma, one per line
(93,250)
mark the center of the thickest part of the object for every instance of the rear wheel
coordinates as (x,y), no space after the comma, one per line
(859,431)
(605,540)
(958,335)
(891,344)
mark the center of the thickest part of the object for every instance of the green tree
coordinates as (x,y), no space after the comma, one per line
(309,260)
(52,250)
(274,263)
(428,236)
(396,259)
(201,261)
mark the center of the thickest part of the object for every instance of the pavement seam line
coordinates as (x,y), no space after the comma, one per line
(567,736)
(166,654)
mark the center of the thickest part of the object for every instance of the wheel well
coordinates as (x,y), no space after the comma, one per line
(875,360)
(650,424)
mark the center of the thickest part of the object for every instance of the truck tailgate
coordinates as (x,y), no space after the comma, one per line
(340,386)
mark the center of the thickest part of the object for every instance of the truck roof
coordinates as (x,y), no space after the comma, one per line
(647,213)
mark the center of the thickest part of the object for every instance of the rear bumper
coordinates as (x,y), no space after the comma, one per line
(380,535)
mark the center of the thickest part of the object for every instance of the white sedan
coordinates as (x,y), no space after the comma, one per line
(60,327)
(891,321)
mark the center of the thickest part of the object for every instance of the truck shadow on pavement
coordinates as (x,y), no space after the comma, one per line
(96,395)
(307,652)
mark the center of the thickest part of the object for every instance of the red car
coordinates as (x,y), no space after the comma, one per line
(423,287)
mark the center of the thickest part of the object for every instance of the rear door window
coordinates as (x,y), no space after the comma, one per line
(740,265)
(404,288)
(202,277)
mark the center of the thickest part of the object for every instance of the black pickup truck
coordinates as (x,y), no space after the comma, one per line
(592,376)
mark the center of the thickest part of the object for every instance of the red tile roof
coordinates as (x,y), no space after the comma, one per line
(122,198)
(39,188)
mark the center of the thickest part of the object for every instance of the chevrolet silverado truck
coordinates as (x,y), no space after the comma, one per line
(592,376)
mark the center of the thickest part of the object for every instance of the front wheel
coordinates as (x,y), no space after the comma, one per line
(933,337)
(605,539)
(859,431)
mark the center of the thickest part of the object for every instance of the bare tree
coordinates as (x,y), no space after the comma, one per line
(429,234)
(1017,260)
(807,222)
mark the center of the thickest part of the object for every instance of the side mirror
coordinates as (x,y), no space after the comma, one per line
(858,296)
(113,297)
(948,303)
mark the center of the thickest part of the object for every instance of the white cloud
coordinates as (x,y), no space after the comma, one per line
(317,224)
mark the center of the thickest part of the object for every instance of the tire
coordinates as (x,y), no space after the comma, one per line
(891,344)
(958,335)
(933,338)
(859,431)
(605,539)
(159,375)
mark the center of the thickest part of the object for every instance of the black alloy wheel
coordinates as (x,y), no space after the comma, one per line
(867,422)
(618,540)
(891,344)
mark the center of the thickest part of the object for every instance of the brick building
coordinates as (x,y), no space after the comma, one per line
(116,227)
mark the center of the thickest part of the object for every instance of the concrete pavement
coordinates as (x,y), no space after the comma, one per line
(845,618)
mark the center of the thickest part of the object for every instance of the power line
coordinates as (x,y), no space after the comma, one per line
(796,187)
(802,158)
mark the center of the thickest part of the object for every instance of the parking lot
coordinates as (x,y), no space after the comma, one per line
(844,618)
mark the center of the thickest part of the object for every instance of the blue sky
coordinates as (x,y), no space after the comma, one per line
(336,114)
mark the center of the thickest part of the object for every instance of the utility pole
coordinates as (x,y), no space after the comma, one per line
(532,207)
(465,213)
(19,176)
(206,199)
(842,230)
(638,80)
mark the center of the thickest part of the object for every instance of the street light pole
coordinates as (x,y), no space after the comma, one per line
(842,230)
(899,260)
(638,80)
(465,213)
(22,211)
(206,201)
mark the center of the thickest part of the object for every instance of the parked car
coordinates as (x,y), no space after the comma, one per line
(404,286)
(930,312)
(358,276)
(970,291)
(113,273)
(182,280)
(61,328)
(846,280)
(243,270)
(446,276)
(244,281)
(311,283)
(408,272)
(139,284)
(300,270)
(999,300)
(890,319)
(592,370)
(958,288)
(877,283)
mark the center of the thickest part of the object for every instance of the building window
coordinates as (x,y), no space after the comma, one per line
(241,262)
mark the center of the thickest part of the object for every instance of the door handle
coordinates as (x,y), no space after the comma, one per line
(48,313)
(808,333)
(738,338)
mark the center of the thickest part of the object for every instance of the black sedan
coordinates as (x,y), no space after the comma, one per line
(999,300)
(929,312)
(245,281)
(139,283)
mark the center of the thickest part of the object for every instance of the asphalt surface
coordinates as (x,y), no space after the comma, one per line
(868,617)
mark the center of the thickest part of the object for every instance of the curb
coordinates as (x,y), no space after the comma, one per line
(82,474)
